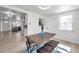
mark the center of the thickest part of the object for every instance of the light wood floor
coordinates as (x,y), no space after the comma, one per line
(74,47)
(14,42)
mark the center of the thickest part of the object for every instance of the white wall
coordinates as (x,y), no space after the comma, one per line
(33,23)
(53,26)
(49,24)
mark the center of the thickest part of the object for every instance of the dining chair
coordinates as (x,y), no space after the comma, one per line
(31,45)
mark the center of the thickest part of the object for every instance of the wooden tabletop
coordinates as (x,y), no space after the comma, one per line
(37,38)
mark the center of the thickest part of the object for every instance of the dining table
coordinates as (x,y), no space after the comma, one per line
(41,38)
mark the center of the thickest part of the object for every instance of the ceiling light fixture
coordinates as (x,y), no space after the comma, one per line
(44,7)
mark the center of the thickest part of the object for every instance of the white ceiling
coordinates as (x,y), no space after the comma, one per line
(52,10)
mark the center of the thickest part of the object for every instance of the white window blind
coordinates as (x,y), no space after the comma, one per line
(65,23)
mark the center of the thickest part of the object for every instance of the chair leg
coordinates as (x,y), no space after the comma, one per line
(28,49)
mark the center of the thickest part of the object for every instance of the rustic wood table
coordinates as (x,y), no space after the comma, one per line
(39,38)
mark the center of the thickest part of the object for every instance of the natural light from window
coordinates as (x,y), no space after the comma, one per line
(65,23)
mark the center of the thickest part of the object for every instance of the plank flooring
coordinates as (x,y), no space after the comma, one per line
(14,42)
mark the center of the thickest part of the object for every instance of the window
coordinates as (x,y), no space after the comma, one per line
(65,23)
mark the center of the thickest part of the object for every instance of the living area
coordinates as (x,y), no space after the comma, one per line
(50,29)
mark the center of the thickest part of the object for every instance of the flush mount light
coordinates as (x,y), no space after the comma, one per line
(44,7)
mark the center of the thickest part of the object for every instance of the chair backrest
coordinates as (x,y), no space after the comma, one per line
(28,41)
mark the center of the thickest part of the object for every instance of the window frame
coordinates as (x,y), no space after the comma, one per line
(65,21)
